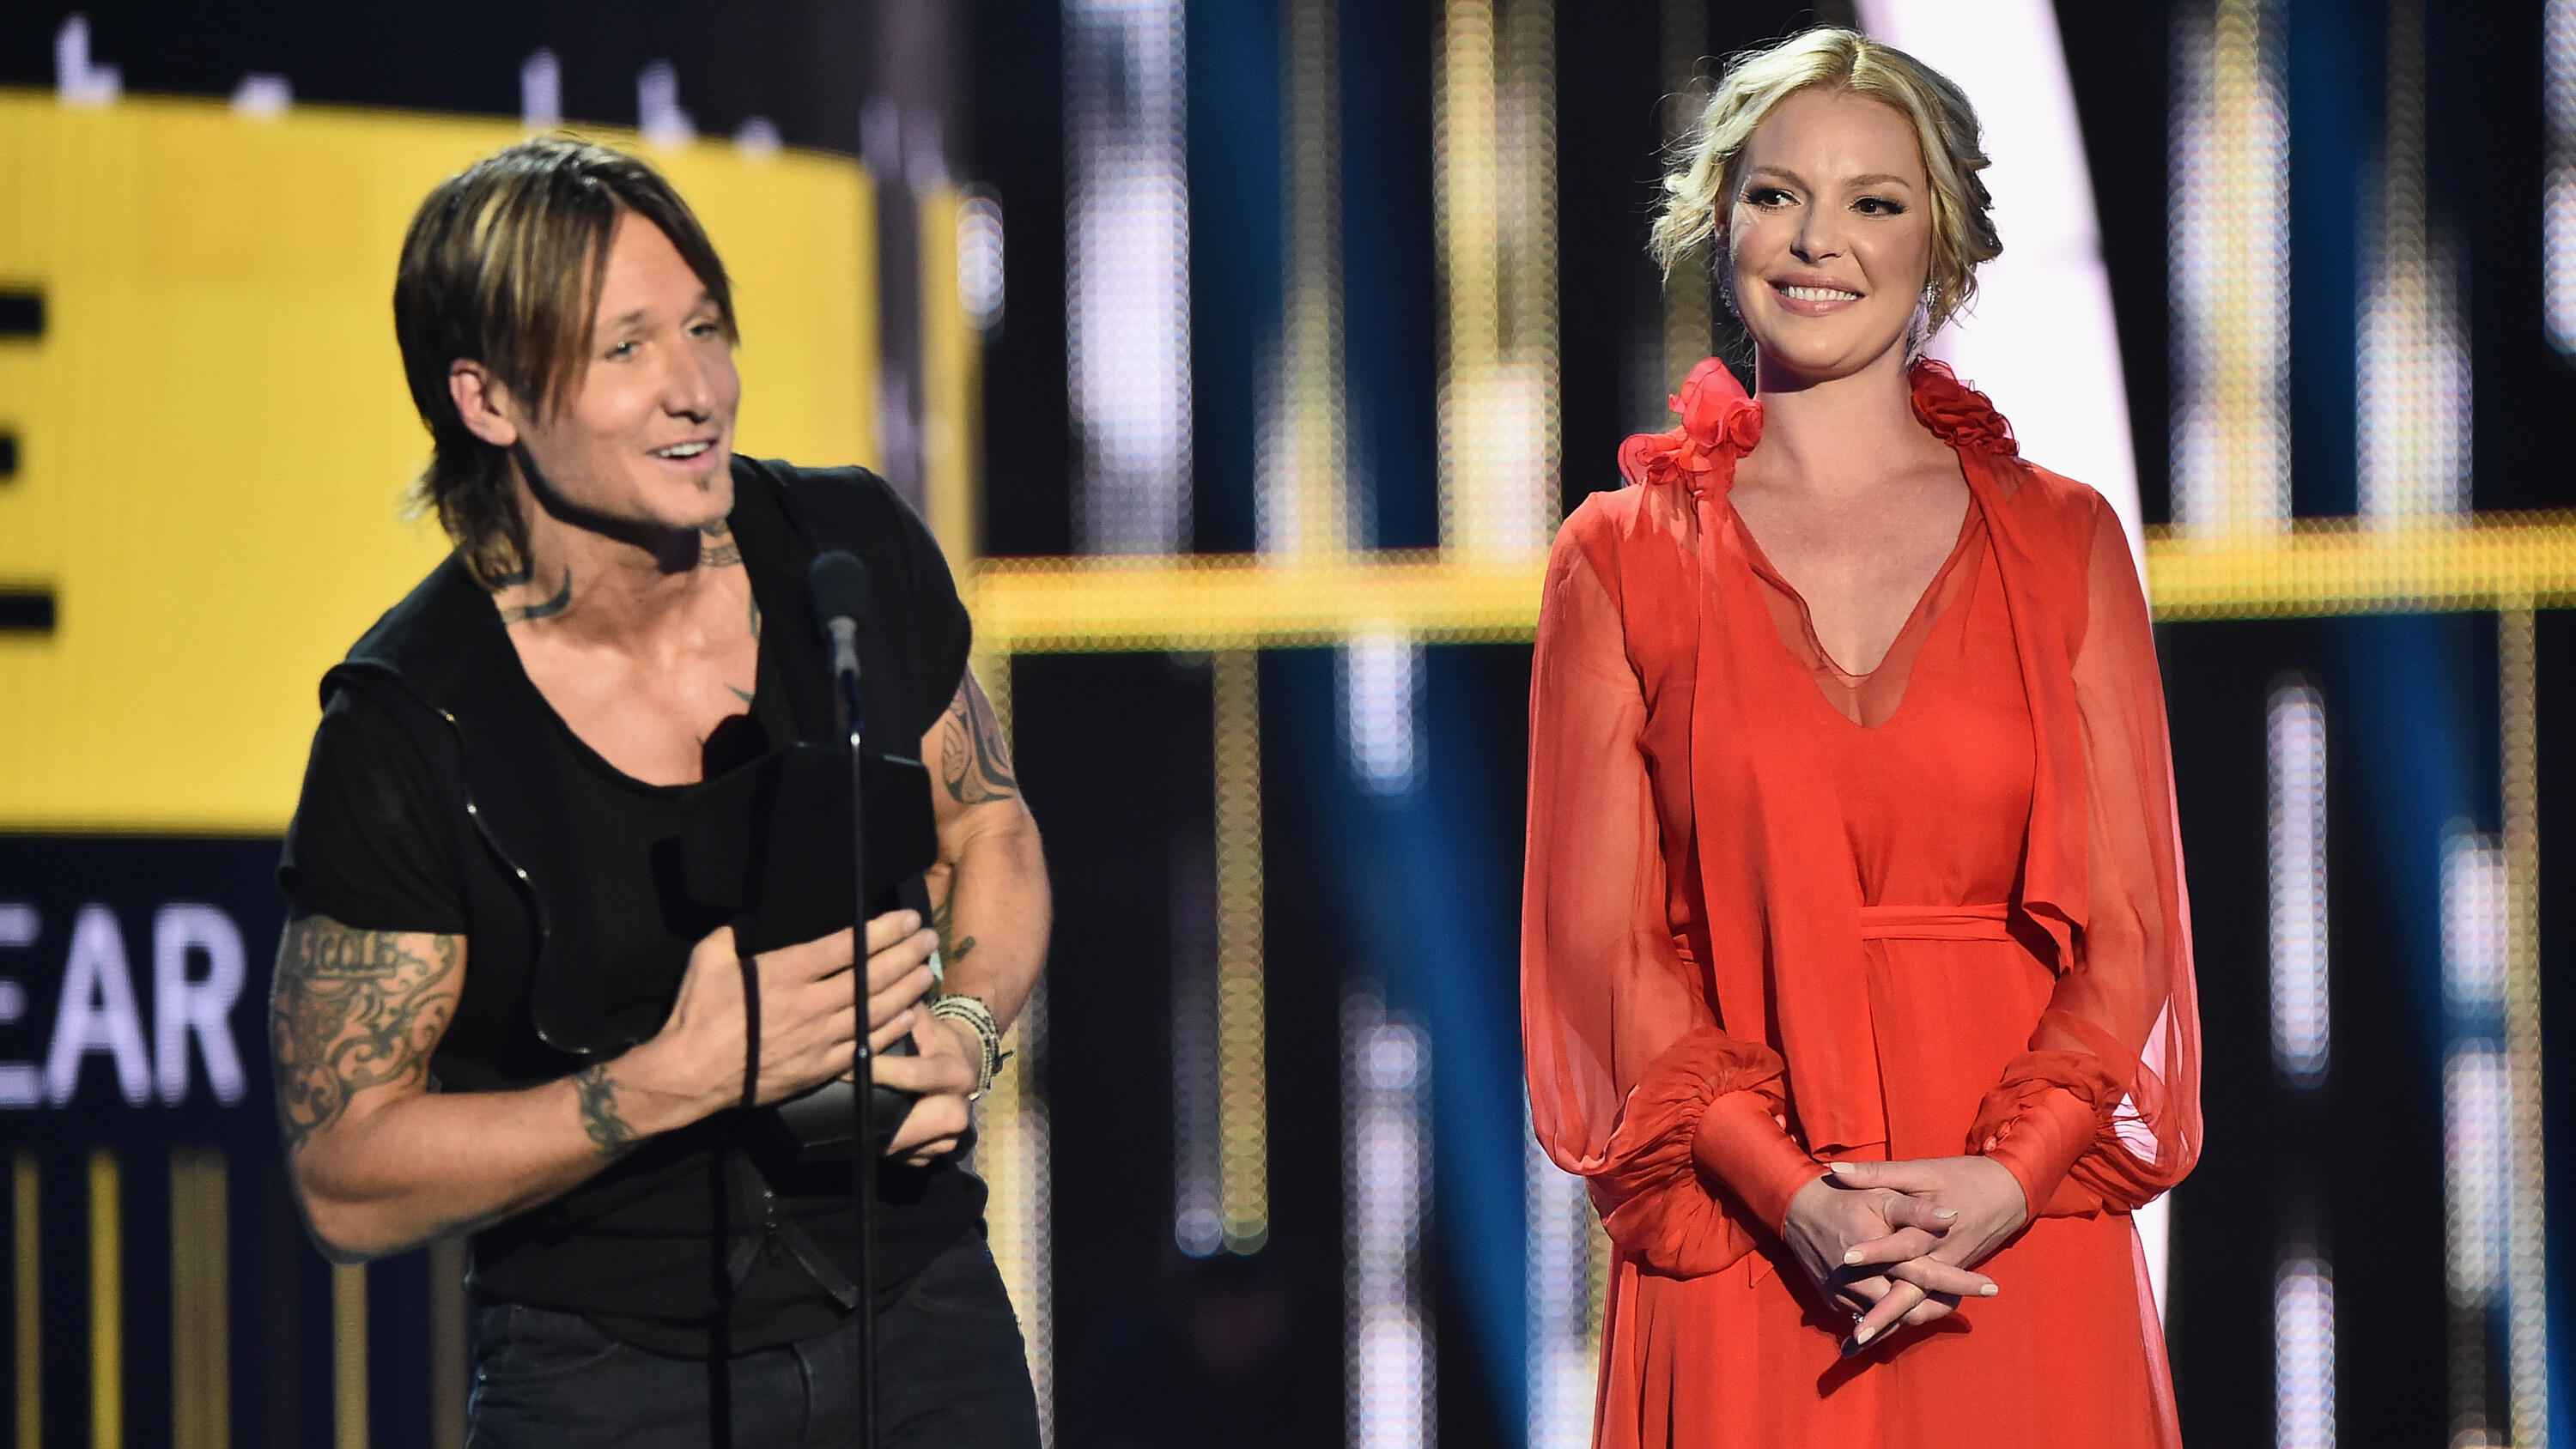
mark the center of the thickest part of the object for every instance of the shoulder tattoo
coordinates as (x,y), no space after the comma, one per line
(350,1010)
(974,759)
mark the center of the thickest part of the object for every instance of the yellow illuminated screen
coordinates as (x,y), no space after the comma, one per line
(213,431)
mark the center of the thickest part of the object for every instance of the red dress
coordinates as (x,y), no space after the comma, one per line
(1777,914)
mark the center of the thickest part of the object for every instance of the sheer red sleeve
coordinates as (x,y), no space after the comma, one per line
(2103,1110)
(1633,1084)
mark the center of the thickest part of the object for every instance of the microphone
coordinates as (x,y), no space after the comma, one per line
(838,585)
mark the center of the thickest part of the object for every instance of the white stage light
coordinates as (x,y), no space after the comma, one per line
(2301,1001)
(1127,283)
(1386,1189)
(2040,339)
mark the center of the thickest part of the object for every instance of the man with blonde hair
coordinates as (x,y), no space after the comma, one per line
(501,1007)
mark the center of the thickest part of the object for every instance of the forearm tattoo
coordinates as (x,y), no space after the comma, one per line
(952,949)
(974,760)
(350,1010)
(597,1094)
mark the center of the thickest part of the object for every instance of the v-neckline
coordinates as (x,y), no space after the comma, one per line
(1920,617)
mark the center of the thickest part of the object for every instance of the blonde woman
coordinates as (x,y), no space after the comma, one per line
(1856,965)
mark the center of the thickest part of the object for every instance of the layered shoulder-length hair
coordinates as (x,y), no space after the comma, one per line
(503,266)
(1707,163)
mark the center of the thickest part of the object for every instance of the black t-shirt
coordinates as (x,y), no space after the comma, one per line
(710,1237)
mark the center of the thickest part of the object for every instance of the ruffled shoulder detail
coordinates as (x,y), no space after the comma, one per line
(1654,1203)
(1958,414)
(1717,417)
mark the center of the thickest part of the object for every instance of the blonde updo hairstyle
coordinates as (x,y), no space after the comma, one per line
(1700,189)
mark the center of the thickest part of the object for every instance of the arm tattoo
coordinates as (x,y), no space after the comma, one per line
(739,693)
(350,1010)
(974,760)
(951,949)
(597,1095)
(562,600)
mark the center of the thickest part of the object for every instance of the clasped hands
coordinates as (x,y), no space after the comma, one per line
(808,1031)
(1896,1242)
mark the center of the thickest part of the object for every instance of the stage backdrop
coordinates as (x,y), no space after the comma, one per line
(204,441)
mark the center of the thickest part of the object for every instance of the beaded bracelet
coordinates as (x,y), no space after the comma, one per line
(988,1034)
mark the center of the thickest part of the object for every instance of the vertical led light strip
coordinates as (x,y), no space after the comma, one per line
(1011,1148)
(1198,1141)
(1688,323)
(349,1356)
(26,1209)
(1011,1152)
(2303,1328)
(2040,338)
(1243,1088)
(451,1373)
(1386,1190)
(2303,1348)
(2558,188)
(2229,272)
(200,1341)
(2302,1006)
(2413,366)
(1127,301)
(1304,500)
(2476,1124)
(2526,1250)
(1562,1311)
(1494,204)
(106,1301)
(952,373)
(540,91)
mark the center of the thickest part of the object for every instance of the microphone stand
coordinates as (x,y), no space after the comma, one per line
(863,1140)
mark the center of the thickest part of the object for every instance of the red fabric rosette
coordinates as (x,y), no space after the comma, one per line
(1715,415)
(1958,413)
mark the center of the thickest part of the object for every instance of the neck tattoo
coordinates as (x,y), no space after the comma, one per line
(516,613)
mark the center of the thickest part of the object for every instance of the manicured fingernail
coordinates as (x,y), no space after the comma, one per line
(1861,1336)
(1840,1169)
(1852,1257)
(1989,1291)
(1945,1213)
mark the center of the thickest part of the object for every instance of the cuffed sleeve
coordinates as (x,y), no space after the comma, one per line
(2047,1114)
(1740,1142)
(1653,1197)
(1634,1085)
(2103,1111)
